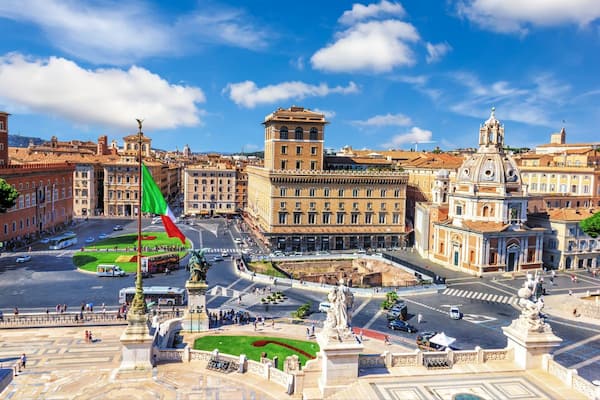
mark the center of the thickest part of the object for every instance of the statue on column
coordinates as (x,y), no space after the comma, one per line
(338,316)
(198,266)
(531,318)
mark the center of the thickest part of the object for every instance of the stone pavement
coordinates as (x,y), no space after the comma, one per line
(61,365)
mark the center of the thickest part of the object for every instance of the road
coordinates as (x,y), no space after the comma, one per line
(487,304)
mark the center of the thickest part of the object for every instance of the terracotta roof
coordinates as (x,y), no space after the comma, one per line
(571,214)
(567,144)
(480,226)
(435,161)
(19,155)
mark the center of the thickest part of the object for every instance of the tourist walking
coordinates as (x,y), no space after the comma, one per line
(23,360)
(419,318)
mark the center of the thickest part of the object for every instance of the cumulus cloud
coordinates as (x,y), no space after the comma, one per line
(105,97)
(361,12)
(247,94)
(384,120)
(376,46)
(327,113)
(415,135)
(436,51)
(514,16)
(121,33)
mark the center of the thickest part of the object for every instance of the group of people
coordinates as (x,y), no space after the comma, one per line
(88,337)
(228,316)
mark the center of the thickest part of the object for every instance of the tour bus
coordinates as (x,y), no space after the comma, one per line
(161,295)
(160,262)
(62,241)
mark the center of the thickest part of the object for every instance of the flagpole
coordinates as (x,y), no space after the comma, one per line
(138,305)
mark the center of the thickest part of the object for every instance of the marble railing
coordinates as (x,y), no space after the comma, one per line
(570,378)
(458,357)
(366,361)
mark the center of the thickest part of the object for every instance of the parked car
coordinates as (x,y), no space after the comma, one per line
(324,306)
(117,228)
(237,240)
(89,240)
(398,325)
(102,236)
(156,220)
(23,259)
(398,311)
(454,313)
(322,253)
(45,240)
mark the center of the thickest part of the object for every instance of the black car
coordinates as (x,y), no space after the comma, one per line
(117,228)
(399,325)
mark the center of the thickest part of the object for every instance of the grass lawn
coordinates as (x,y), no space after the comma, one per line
(265,268)
(237,345)
(97,253)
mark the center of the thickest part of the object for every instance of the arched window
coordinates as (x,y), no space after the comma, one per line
(299,133)
(313,133)
(283,132)
(486,211)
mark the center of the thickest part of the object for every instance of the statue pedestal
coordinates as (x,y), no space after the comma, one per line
(195,317)
(340,362)
(137,344)
(529,345)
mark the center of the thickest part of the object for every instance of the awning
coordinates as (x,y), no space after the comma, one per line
(442,339)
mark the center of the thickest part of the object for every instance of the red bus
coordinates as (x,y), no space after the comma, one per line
(160,262)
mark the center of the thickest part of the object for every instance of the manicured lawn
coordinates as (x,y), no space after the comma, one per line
(237,345)
(265,268)
(103,251)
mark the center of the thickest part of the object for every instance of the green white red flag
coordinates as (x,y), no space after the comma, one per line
(154,202)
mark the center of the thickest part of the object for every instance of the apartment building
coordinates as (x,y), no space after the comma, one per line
(295,203)
(210,189)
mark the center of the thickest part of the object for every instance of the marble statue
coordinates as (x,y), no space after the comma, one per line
(530,318)
(338,317)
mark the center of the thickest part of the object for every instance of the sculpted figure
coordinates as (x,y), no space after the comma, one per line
(198,266)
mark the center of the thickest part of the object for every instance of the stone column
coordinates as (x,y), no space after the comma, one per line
(137,344)
(195,317)
(339,363)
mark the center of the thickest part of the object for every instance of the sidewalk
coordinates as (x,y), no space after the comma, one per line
(562,306)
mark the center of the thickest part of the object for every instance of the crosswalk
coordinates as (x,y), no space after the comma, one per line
(491,297)
(223,291)
(219,250)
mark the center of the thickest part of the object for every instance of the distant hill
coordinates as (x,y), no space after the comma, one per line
(22,141)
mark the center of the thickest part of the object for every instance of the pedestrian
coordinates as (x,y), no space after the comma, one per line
(360,335)
(312,329)
(273,323)
(255,323)
(103,308)
(553,274)
(308,333)
(419,318)
(570,292)
(87,336)
(23,360)
(90,340)
(387,340)
(16,311)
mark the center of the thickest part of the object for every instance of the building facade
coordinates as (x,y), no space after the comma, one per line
(296,204)
(209,190)
(479,224)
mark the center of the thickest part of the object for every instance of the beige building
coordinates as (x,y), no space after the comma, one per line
(566,246)
(296,204)
(209,189)
(479,224)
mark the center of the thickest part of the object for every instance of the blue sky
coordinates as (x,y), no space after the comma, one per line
(386,74)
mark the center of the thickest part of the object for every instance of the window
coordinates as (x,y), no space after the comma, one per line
(340,218)
(299,133)
(368,218)
(355,206)
(326,192)
(397,193)
(311,192)
(313,134)
(383,192)
(542,187)
(354,218)
(312,205)
(382,218)
(354,192)
(341,206)
(283,164)
(313,165)
(395,218)
(298,192)
(573,188)
(313,150)
(383,206)
(283,132)
(459,209)
(282,205)
(298,204)
(369,206)
(282,218)
(282,191)
(326,205)
(283,149)
(369,192)
(340,192)
(326,218)
(312,217)
(297,218)
(534,186)
(298,150)
(586,189)
(298,164)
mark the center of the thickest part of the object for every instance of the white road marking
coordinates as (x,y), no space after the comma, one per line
(576,344)
(359,308)
(373,318)
(97,287)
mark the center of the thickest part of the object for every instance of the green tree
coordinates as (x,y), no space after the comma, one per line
(591,225)
(8,196)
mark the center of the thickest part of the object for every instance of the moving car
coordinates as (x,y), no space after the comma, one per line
(109,270)
(117,228)
(102,236)
(89,240)
(156,220)
(454,313)
(45,240)
(217,258)
(324,306)
(225,254)
(322,253)
(23,259)
(398,325)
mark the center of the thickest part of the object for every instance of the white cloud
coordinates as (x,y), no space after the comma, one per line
(436,51)
(247,94)
(376,46)
(105,97)
(361,12)
(385,120)
(415,134)
(121,33)
(531,104)
(327,113)
(516,15)
(298,63)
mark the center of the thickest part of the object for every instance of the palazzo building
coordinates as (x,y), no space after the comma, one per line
(295,203)
(479,223)
(209,189)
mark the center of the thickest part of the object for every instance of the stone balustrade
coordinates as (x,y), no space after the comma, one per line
(570,378)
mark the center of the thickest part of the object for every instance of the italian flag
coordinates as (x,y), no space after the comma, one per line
(154,202)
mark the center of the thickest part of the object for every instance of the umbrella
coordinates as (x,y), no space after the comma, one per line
(442,339)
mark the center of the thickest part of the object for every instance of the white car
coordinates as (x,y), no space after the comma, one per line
(45,240)
(225,254)
(454,313)
(218,258)
(23,259)
(156,220)
(324,306)
(89,240)
(102,236)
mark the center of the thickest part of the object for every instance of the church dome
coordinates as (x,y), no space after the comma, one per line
(490,166)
